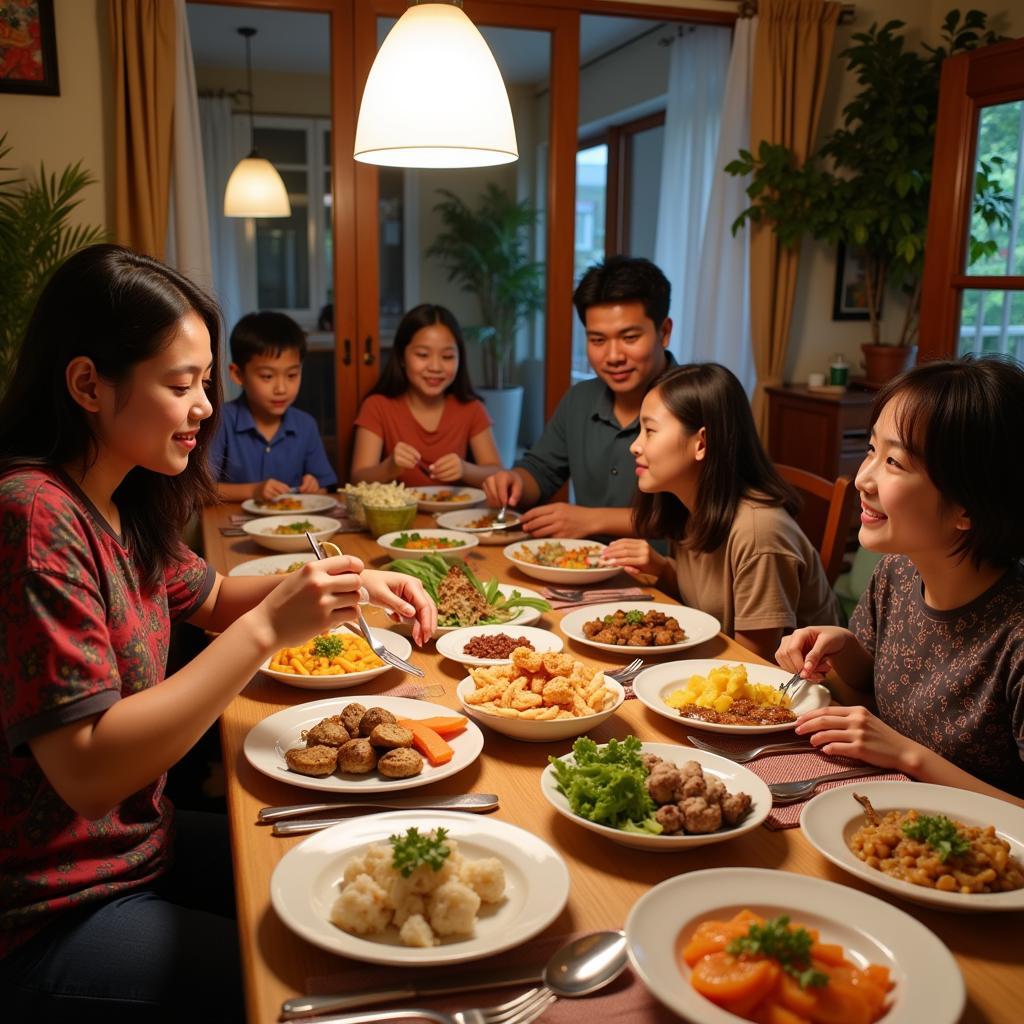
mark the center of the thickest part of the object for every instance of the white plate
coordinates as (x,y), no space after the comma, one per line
(304,886)
(699,626)
(562,577)
(272,564)
(830,819)
(472,496)
(466,543)
(261,531)
(524,618)
(394,642)
(928,985)
(654,684)
(310,503)
(735,777)
(533,731)
(451,644)
(266,743)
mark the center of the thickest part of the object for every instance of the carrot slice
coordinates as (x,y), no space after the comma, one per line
(828,953)
(839,1002)
(442,726)
(736,983)
(800,1001)
(770,1012)
(428,743)
(712,937)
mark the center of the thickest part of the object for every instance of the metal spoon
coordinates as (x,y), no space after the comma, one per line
(586,964)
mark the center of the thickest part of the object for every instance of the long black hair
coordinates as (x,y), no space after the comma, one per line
(736,465)
(118,308)
(393,380)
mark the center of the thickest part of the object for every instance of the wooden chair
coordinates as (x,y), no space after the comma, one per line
(827,514)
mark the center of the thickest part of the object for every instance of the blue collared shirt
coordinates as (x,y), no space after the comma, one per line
(240,454)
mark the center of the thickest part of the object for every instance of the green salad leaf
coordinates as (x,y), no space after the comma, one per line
(608,785)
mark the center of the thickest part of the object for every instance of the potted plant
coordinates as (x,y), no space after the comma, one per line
(484,250)
(35,238)
(868,185)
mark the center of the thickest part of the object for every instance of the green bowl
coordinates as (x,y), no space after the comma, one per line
(382,519)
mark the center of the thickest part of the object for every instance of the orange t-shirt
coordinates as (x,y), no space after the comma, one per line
(392,420)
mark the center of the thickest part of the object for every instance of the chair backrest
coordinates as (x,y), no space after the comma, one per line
(827,514)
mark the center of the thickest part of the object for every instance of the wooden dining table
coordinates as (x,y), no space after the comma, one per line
(606,878)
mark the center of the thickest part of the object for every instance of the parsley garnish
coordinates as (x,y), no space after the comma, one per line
(633,618)
(939,833)
(412,850)
(328,646)
(791,947)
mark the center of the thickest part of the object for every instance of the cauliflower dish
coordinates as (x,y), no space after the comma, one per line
(419,884)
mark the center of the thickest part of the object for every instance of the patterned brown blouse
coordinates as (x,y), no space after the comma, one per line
(951,680)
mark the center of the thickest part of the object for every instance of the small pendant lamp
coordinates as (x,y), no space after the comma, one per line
(255,189)
(435,97)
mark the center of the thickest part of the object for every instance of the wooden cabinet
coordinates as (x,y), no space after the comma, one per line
(823,433)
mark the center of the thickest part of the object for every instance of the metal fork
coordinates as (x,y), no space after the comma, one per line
(522,1010)
(565,594)
(793,682)
(791,792)
(631,671)
(743,756)
(375,645)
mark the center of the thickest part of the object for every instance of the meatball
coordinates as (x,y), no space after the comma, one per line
(735,807)
(700,817)
(318,761)
(649,761)
(357,757)
(716,791)
(373,718)
(329,732)
(670,818)
(662,783)
(390,736)
(350,716)
(400,763)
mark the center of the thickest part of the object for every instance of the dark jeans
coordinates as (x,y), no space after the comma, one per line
(168,952)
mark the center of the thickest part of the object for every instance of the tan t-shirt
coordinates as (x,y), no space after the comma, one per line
(766,575)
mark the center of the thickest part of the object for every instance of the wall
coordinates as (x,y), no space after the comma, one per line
(275,92)
(60,130)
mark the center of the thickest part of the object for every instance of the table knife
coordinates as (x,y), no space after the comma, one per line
(474,802)
(309,1006)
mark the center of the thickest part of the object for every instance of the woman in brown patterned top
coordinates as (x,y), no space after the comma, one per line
(939,633)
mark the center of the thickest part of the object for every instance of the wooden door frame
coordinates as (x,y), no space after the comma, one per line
(969,82)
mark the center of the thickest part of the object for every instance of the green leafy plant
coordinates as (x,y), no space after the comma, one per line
(484,251)
(869,184)
(35,238)
(413,850)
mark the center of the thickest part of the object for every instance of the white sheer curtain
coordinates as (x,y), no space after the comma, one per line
(721,314)
(227,234)
(188,237)
(697,72)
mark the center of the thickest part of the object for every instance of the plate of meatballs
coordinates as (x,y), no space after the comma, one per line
(343,745)
(700,797)
(639,627)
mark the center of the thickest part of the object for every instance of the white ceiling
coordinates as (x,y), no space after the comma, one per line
(300,42)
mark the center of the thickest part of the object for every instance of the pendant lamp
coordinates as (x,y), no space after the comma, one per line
(435,97)
(255,189)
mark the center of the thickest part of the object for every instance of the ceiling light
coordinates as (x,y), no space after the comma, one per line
(255,189)
(434,96)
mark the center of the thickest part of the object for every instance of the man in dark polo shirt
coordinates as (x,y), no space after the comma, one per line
(623,304)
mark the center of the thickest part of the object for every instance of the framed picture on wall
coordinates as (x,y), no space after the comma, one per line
(28,48)
(850,301)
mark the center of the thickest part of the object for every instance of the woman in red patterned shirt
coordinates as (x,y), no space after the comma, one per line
(103,435)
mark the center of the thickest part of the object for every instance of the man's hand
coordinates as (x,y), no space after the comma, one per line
(559,519)
(447,469)
(503,488)
(270,488)
(309,485)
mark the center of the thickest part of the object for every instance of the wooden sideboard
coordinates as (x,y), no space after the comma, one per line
(823,433)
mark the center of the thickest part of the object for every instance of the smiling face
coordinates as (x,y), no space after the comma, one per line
(902,511)
(624,347)
(271,383)
(431,361)
(668,457)
(153,418)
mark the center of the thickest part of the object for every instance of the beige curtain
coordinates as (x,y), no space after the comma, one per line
(143,39)
(792,54)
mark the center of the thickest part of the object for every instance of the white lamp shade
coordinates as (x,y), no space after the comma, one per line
(435,97)
(255,189)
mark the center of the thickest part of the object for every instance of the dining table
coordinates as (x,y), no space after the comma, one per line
(606,878)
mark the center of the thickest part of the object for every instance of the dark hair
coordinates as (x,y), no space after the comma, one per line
(624,279)
(393,380)
(963,421)
(118,308)
(736,465)
(265,334)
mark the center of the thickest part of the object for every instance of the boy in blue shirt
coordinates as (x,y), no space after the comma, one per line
(264,447)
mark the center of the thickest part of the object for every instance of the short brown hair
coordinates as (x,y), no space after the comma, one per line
(963,420)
